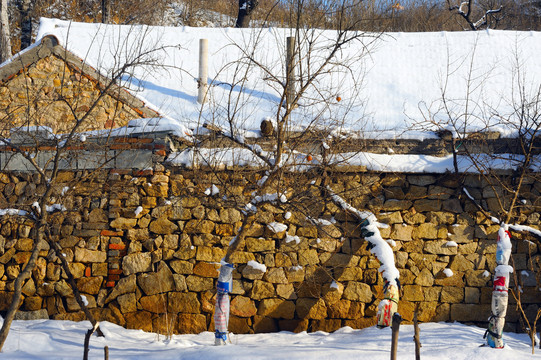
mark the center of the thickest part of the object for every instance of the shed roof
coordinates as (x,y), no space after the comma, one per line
(391,85)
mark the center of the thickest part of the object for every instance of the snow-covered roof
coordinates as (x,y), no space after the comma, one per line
(393,81)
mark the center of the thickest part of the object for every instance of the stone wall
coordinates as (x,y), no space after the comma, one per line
(145,248)
(35,95)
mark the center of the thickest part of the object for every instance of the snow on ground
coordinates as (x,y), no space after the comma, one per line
(48,339)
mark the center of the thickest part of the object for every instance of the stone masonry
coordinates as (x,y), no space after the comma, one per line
(145,248)
(33,97)
(49,86)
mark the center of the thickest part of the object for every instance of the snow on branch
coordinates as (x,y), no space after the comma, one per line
(380,248)
(524,228)
(465,10)
(13,212)
(266,198)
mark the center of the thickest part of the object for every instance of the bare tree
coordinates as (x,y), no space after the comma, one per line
(507,167)
(302,100)
(45,152)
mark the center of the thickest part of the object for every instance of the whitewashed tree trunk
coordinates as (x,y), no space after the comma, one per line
(500,290)
(203,71)
(5,41)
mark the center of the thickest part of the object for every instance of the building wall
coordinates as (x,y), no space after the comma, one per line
(50,93)
(145,247)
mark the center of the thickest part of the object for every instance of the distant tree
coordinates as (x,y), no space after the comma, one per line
(105,11)
(26,9)
(246,7)
(487,17)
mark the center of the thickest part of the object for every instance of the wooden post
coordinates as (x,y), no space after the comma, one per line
(416,337)
(290,71)
(106,352)
(397,319)
(203,71)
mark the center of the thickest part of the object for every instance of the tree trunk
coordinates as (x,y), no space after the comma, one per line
(26,8)
(5,41)
(416,337)
(105,11)
(25,274)
(76,293)
(245,12)
(397,319)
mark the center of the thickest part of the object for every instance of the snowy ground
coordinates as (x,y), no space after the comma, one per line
(47,339)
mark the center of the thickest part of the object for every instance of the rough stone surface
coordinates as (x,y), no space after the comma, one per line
(183,303)
(161,281)
(308,308)
(124,286)
(358,292)
(277,308)
(89,256)
(136,263)
(242,306)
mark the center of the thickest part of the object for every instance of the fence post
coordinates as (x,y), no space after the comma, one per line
(202,83)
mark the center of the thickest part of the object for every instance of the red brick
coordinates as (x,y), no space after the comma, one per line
(111,233)
(121,147)
(88,272)
(110,284)
(147,172)
(117,246)
(160,152)
(114,271)
(125,140)
(113,278)
(120,171)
